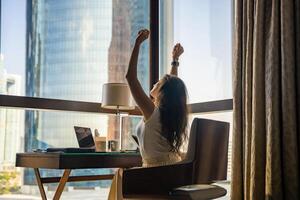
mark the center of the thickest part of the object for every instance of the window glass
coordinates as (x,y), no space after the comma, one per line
(24,131)
(204,30)
(68,49)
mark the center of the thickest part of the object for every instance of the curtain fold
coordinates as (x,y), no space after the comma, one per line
(266,87)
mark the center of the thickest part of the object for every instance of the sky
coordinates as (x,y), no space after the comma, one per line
(13,22)
(203,27)
(13,26)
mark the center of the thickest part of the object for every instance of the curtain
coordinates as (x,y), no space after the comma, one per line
(266,98)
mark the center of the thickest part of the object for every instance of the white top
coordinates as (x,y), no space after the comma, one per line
(154,148)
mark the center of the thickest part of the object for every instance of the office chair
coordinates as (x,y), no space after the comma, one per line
(205,162)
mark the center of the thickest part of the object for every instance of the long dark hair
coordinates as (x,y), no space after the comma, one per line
(172,103)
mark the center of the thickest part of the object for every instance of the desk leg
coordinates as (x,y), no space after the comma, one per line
(40,184)
(62,183)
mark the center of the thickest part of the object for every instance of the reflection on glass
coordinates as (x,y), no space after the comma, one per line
(204,30)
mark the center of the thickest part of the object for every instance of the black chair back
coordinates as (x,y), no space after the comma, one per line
(208,149)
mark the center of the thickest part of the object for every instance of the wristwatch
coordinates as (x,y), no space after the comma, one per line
(175,63)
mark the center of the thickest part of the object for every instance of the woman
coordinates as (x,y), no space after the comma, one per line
(163,128)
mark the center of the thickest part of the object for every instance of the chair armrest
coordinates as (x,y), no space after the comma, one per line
(156,180)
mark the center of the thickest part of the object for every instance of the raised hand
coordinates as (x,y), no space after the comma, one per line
(142,36)
(177,51)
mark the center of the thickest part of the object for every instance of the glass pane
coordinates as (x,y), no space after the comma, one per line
(204,29)
(69,49)
(23,131)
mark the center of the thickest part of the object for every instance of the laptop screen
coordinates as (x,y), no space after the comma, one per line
(84,137)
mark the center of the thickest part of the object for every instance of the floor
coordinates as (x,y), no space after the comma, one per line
(66,195)
(86,194)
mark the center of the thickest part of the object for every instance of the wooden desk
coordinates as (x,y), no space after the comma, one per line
(69,161)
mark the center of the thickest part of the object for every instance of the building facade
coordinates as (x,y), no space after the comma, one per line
(129,16)
(66,58)
(11,121)
(118,56)
(73,48)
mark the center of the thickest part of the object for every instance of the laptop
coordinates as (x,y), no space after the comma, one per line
(85,141)
(84,137)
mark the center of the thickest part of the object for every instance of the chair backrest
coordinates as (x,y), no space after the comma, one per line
(208,150)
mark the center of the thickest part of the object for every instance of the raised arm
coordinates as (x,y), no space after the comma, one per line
(177,51)
(143,101)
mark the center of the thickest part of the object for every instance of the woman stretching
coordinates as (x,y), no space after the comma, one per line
(163,128)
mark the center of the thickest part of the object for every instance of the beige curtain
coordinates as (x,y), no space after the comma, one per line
(266,84)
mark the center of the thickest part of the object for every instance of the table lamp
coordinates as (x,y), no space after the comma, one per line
(117,96)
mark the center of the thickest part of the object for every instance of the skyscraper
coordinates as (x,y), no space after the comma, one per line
(68,45)
(67,58)
(129,16)
(118,55)
(2,73)
(11,121)
(73,48)
(140,19)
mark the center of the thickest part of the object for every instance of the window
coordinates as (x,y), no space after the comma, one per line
(68,50)
(62,50)
(18,133)
(65,50)
(204,30)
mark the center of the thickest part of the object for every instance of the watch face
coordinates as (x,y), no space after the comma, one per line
(175,63)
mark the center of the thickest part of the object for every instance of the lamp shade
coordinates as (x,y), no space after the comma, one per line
(116,96)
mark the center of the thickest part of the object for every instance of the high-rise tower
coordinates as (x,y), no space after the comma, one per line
(66,58)
(129,16)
